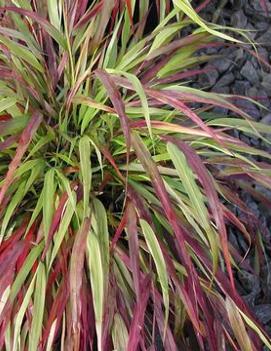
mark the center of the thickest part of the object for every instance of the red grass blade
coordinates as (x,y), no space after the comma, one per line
(76,268)
(161,192)
(207,182)
(133,247)
(118,104)
(24,141)
(129,9)
(89,14)
(138,316)
(264,6)
(40,20)
(179,105)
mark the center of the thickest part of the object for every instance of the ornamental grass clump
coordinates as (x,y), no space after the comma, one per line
(118,183)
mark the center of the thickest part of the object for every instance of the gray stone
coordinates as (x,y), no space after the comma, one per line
(262,25)
(209,78)
(249,72)
(220,111)
(222,64)
(225,80)
(256,5)
(263,53)
(249,281)
(221,89)
(238,4)
(239,19)
(252,92)
(240,87)
(266,83)
(250,108)
(264,39)
(259,95)
(252,31)
(239,56)
(266,119)
(263,312)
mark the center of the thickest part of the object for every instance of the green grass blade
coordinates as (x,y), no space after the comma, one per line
(38,309)
(160,264)
(85,166)
(48,201)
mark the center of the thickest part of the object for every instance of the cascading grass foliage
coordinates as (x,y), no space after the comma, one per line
(118,184)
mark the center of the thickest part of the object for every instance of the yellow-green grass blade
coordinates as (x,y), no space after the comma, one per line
(188,179)
(38,308)
(85,167)
(160,264)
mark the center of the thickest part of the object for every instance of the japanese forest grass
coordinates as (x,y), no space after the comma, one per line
(118,184)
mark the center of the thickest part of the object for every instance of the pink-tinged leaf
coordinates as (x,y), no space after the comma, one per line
(89,14)
(183,75)
(230,216)
(11,76)
(104,20)
(60,267)
(238,327)
(76,277)
(129,9)
(56,310)
(13,126)
(169,342)
(133,247)
(9,257)
(264,6)
(24,141)
(163,196)
(208,184)
(202,5)
(190,97)
(55,223)
(190,308)
(138,316)
(119,230)
(8,261)
(56,220)
(118,104)
(154,68)
(109,312)
(51,30)
(5,117)
(4,324)
(172,99)
(179,105)
(224,283)
(62,65)
(88,316)
(8,142)
(139,204)
(77,10)
(177,44)
(176,128)
(13,239)
(110,158)
(29,238)
(51,60)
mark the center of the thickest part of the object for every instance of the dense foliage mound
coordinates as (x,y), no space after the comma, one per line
(118,184)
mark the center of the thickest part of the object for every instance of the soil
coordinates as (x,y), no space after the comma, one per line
(239,72)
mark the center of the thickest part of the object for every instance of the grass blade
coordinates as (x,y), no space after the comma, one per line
(38,309)
(84,149)
(160,265)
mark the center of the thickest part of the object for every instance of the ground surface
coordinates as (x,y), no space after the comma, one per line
(238,72)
